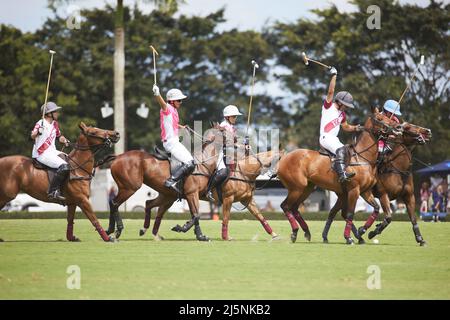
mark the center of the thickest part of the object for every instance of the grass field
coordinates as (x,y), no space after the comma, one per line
(34,259)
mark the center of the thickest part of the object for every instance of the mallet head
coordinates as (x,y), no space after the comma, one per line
(422,60)
(305,58)
(154,50)
(51,51)
(255,64)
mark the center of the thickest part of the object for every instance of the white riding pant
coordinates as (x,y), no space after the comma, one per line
(178,151)
(220,163)
(51,159)
(331,143)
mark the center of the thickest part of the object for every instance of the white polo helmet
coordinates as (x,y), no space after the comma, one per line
(230,111)
(50,107)
(175,94)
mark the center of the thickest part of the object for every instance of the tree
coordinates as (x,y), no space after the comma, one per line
(119,62)
(374,65)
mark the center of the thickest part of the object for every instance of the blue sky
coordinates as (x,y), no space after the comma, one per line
(28,15)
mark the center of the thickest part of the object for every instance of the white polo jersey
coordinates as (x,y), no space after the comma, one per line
(330,122)
(46,141)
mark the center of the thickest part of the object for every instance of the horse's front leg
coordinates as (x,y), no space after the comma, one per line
(114,215)
(385,204)
(349,212)
(70,218)
(370,199)
(410,201)
(226,209)
(257,214)
(86,207)
(331,215)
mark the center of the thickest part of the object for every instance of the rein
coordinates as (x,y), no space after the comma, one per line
(107,142)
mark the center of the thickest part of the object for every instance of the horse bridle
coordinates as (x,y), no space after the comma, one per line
(106,143)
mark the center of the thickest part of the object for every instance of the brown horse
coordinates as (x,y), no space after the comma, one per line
(238,188)
(18,174)
(301,170)
(133,168)
(394,181)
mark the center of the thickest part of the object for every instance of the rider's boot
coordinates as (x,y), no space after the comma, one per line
(181,172)
(54,191)
(339,165)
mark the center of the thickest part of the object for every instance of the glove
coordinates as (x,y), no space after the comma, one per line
(40,130)
(67,143)
(333,71)
(359,128)
(156,90)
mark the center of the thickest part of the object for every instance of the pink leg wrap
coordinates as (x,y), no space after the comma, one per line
(224,232)
(69,233)
(300,220)
(292,220)
(371,220)
(100,231)
(266,226)
(348,228)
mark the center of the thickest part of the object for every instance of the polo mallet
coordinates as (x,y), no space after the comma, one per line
(255,66)
(155,53)
(48,85)
(422,62)
(306,60)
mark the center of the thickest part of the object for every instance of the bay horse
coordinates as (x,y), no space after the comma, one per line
(394,181)
(133,168)
(301,170)
(239,187)
(18,174)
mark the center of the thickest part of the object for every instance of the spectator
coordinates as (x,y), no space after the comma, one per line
(439,202)
(424,197)
(268,207)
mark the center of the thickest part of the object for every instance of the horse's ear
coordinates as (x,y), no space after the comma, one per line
(82,126)
(375,110)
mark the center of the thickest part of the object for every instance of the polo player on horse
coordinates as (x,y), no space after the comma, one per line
(169,135)
(333,117)
(44,135)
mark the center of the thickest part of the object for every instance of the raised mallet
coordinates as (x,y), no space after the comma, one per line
(306,60)
(255,66)
(422,62)
(48,83)
(155,53)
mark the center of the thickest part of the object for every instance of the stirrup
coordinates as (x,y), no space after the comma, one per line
(56,197)
(210,196)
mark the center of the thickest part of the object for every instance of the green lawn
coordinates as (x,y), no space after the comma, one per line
(34,259)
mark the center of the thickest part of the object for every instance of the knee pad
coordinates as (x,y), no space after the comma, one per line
(64,167)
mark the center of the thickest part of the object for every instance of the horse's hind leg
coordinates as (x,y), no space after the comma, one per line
(161,210)
(70,217)
(255,211)
(114,215)
(286,206)
(296,213)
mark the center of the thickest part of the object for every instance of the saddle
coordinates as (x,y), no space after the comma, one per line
(164,155)
(50,171)
(332,156)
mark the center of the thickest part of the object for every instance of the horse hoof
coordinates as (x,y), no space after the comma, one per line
(372,234)
(308,236)
(325,240)
(423,243)
(142,232)
(110,231)
(361,241)
(1,240)
(74,239)
(349,241)
(177,228)
(112,239)
(118,233)
(203,238)
(361,231)
(294,236)
(276,238)
(157,237)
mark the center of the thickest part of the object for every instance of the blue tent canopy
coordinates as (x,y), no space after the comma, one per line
(443,167)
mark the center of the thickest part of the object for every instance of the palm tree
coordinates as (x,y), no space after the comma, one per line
(119,61)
